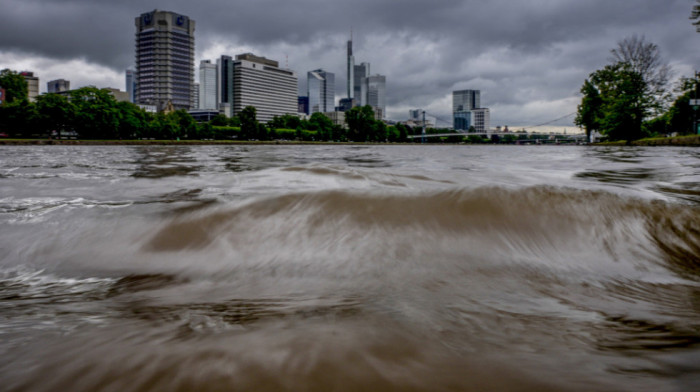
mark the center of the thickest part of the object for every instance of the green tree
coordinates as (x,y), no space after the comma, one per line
(220,121)
(323,125)
(644,58)
(695,15)
(616,101)
(18,118)
(133,122)
(360,122)
(186,124)
(14,85)
(249,123)
(681,116)
(17,114)
(234,121)
(97,115)
(402,133)
(625,103)
(379,131)
(588,113)
(165,126)
(54,113)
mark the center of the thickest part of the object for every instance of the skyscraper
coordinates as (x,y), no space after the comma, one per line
(164,59)
(207,85)
(351,70)
(260,83)
(321,91)
(463,102)
(373,93)
(224,85)
(57,86)
(360,71)
(131,84)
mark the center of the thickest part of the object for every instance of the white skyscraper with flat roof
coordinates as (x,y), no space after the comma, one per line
(261,83)
(207,85)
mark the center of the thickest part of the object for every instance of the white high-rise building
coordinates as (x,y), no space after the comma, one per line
(261,83)
(207,85)
(195,96)
(481,118)
(321,91)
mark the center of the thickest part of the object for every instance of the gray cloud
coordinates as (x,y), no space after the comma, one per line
(529,58)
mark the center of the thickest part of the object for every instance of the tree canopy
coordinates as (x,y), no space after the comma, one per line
(618,99)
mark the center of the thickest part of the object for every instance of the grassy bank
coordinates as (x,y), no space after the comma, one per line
(687,141)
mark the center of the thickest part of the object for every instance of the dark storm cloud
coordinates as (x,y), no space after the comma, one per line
(528,57)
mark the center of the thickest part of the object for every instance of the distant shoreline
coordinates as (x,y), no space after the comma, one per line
(83,142)
(679,141)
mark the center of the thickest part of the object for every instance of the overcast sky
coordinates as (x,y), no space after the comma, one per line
(529,58)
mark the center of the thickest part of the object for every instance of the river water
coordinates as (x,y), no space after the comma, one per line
(346,268)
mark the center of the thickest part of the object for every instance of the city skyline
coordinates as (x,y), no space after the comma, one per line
(529,61)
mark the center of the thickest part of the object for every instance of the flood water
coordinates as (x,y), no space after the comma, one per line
(349,268)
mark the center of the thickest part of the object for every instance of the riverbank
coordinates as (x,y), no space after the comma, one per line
(82,142)
(685,141)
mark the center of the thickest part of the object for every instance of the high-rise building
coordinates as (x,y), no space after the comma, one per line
(466,100)
(207,85)
(32,85)
(462,120)
(57,86)
(373,93)
(321,91)
(346,104)
(261,83)
(351,70)
(463,103)
(360,72)
(224,85)
(195,96)
(303,104)
(481,119)
(131,84)
(164,60)
(415,115)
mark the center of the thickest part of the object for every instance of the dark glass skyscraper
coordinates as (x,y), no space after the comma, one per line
(164,60)
(224,67)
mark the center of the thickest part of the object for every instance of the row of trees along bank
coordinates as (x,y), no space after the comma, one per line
(91,113)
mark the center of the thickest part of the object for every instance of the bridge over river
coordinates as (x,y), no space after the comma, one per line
(531,137)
